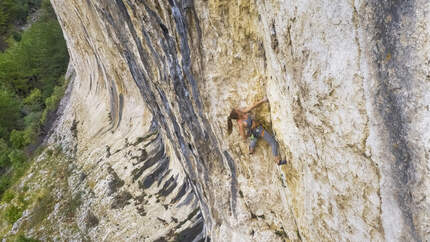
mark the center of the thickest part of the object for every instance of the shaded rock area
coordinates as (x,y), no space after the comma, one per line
(347,83)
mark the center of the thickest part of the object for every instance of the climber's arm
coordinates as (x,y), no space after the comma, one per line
(255,105)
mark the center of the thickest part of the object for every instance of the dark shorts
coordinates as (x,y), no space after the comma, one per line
(261,132)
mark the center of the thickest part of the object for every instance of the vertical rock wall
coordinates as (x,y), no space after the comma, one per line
(347,83)
(398,91)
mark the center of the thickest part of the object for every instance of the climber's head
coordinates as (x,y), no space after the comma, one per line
(234,114)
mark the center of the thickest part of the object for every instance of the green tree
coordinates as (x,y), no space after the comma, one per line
(4,151)
(35,98)
(17,138)
(7,196)
(4,16)
(36,61)
(9,113)
(17,10)
(17,158)
(33,102)
(12,214)
(48,11)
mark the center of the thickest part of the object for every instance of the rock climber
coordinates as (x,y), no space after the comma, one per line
(248,127)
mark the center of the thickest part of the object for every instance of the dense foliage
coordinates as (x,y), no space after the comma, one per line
(13,13)
(31,83)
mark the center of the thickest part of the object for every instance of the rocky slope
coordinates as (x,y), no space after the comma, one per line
(347,83)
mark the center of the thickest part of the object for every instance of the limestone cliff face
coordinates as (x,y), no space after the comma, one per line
(154,82)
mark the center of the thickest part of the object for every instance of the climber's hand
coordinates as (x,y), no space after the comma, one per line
(265,99)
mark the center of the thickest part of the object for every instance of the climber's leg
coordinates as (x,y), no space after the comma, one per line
(252,144)
(272,142)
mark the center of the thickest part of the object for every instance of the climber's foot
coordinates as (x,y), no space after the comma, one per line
(282,162)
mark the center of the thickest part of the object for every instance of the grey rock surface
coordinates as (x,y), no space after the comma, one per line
(347,83)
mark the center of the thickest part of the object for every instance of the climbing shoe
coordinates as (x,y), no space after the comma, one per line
(282,162)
